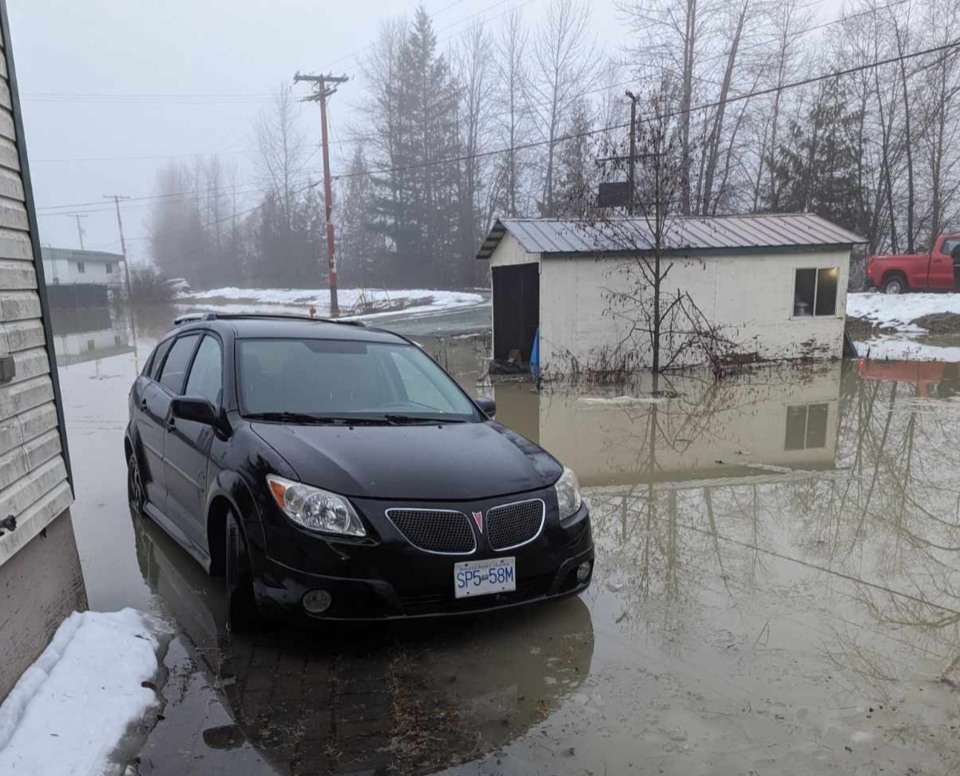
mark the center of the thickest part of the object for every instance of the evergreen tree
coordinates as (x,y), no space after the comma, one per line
(575,165)
(817,170)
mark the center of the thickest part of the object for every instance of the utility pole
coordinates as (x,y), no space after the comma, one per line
(632,168)
(322,92)
(123,245)
(79,228)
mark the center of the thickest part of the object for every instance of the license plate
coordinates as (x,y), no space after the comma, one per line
(483,577)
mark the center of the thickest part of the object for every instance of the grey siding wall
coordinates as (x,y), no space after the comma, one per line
(33,470)
(40,576)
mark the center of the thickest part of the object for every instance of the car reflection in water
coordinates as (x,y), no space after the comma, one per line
(414,697)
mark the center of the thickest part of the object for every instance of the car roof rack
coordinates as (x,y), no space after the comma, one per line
(212,316)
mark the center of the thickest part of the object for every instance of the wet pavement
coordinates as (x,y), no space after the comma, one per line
(777,591)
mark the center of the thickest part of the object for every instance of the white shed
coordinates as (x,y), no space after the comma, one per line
(773,284)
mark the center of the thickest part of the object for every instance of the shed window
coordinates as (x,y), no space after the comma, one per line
(109,267)
(81,268)
(815,292)
(806,427)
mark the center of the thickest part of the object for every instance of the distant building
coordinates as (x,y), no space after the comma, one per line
(774,284)
(40,576)
(66,266)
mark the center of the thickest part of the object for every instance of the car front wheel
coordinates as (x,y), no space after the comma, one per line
(241,604)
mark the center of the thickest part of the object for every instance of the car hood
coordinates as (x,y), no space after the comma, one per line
(450,462)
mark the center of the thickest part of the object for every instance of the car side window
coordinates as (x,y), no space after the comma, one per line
(175,366)
(206,374)
(158,356)
(948,247)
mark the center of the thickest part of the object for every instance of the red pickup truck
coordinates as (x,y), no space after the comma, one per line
(932,271)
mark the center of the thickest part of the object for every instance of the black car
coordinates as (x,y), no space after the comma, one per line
(338,471)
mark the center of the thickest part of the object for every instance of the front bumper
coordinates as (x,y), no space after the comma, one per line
(388,579)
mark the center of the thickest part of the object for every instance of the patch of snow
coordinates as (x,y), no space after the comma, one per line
(898,311)
(71,708)
(905,349)
(300,299)
(598,400)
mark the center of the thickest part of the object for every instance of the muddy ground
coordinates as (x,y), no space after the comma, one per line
(776,592)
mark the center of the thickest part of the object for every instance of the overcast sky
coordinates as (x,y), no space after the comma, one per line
(111,89)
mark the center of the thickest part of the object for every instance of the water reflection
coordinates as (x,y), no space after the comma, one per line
(87,333)
(416,698)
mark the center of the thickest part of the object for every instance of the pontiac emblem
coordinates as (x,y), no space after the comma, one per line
(478,519)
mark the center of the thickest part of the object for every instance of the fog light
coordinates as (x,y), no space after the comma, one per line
(583,571)
(317,601)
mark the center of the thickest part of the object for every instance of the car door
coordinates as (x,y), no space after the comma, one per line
(169,382)
(187,447)
(941,266)
(150,418)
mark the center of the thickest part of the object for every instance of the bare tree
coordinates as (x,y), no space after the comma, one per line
(280,149)
(564,65)
(472,63)
(513,118)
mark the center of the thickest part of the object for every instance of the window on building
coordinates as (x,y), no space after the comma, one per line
(117,341)
(91,345)
(175,366)
(815,292)
(806,427)
(81,268)
(109,267)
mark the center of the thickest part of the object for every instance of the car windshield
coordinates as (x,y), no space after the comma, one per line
(322,379)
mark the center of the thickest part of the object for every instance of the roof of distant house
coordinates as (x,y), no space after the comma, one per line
(682,235)
(75,254)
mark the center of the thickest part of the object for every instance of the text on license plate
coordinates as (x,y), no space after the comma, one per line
(483,577)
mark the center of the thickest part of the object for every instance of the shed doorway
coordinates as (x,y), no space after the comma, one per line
(516,309)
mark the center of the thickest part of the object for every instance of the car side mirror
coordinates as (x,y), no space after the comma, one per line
(487,406)
(195,408)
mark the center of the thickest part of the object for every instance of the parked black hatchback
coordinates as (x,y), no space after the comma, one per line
(338,471)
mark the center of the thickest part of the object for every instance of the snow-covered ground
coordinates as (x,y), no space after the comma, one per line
(299,300)
(905,348)
(897,315)
(70,709)
(900,311)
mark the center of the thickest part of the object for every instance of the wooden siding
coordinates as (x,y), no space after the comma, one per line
(33,472)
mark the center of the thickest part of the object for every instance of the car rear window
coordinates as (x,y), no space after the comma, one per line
(175,366)
(158,355)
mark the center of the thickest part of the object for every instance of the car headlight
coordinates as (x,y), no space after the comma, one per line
(314,508)
(568,494)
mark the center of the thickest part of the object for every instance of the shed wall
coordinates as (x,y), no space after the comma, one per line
(749,296)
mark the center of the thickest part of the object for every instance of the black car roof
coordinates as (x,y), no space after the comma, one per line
(253,326)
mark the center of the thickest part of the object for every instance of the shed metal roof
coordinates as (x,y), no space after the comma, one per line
(726,234)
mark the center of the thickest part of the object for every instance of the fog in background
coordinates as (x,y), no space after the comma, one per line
(114,93)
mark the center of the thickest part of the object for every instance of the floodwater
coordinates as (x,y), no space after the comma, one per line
(777,591)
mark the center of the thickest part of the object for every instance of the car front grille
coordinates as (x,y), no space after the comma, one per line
(511,525)
(435,530)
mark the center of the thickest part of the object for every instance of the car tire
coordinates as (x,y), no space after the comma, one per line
(894,285)
(135,493)
(241,603)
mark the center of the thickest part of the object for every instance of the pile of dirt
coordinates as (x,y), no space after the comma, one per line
(860,328)
(939,323)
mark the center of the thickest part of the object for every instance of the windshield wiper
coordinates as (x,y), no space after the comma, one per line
(291,417)
(413,419)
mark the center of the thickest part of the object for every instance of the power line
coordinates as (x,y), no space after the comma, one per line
(704,106)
